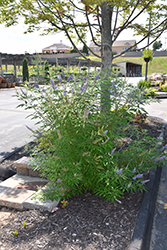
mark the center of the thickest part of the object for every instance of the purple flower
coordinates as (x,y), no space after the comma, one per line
(164,147)
(42,155)
(64,92)
(97,107)
(141,102)
(134,170)
(108,138)
(53,84)
(58,131)
(69,77)
(87,105)
(113,84)
(112,151)
(97,76)
(137,176)
(110,92)
(84,87)
(49,142)
(119,171)
(36,85)
(72,91)
(143,93)
(105,132)
(58,180)
(145,181)
(159,159)
(84,78)
(59,78)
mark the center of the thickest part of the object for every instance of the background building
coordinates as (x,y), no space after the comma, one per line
(57,48)
(118,46)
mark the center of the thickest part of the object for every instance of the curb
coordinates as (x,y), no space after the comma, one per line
(143,227)
(8,154)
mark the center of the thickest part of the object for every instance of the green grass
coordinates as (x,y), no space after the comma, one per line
(158,64)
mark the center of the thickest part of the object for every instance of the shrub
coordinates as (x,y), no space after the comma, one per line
(155,84)
(73,51)
(85,50)
(151,92)
(81,147)
(143,84)
(25,71)
(46,69)
(164,88)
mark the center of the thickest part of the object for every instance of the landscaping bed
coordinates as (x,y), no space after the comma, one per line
(87,222)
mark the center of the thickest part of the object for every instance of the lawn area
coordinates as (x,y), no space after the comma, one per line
(158,64)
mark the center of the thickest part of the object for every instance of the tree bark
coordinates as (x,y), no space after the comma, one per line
(106,41)
(106,57)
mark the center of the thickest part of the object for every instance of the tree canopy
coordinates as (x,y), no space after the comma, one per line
(157,45)
(104,20)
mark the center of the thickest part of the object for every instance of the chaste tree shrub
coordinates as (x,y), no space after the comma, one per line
(80,146)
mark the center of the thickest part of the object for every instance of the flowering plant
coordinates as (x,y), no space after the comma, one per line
(80,146)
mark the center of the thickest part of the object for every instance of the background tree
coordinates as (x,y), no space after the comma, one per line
(105,20)
(157,45)
(25,71)
(46,70)
(85,49)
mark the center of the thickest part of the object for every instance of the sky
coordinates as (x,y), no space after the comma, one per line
(14,41)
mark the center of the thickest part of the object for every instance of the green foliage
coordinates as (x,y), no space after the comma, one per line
(85,50)
(143,84)
(25,71)
(164,88)
(73,51)
(46,69)
(151,92)
(157,45)
(79,147)
(148,53)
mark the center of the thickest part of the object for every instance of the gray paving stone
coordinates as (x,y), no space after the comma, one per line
(47,205)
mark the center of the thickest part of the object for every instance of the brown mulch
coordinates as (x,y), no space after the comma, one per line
(86,223)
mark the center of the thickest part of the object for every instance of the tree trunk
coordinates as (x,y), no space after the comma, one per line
(106,42)
(106,56)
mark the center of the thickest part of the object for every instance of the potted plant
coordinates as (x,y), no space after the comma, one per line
(147,55)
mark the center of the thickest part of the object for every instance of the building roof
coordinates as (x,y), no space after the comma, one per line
(59,46)
(124,43)
(118,43)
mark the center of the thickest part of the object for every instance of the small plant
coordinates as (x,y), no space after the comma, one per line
(24,224)
(154,84)
(143,84)
(151,92)
(15,233)
(148,54)
(164,88)
(64,203)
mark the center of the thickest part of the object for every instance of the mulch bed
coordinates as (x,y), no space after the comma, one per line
(86,223)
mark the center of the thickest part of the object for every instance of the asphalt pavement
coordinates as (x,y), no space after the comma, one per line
(13,131)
